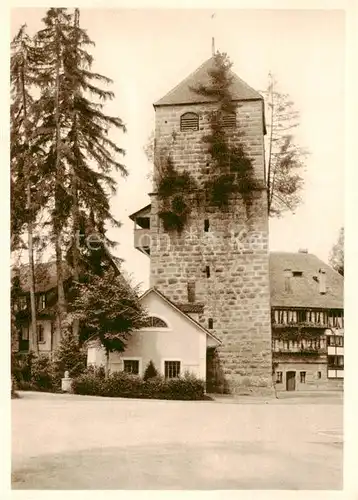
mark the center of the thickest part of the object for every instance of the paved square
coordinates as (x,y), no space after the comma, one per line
(79,442)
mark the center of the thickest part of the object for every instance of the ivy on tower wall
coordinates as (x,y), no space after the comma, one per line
(174,192)
(231,169)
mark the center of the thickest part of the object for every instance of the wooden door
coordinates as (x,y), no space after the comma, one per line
(290,381)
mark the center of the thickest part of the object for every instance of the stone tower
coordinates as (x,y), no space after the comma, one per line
(217,268)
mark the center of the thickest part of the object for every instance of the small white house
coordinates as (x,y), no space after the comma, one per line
(174,341)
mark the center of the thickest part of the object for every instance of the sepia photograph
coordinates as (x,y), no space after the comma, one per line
(177,248)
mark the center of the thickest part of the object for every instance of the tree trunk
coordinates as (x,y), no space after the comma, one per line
(61,303)
(75,242)
(33,344)
(74,193)
(106,368)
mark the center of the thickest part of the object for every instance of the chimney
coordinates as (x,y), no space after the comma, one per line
(303,250)
(322,282)
(288,275)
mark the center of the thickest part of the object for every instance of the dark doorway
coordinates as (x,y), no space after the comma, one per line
(290,381)
(215,379)
(211,367)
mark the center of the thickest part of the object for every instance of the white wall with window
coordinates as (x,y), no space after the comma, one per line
(44,335)
(44,332)
(171,368)
(174,342)
(131,365)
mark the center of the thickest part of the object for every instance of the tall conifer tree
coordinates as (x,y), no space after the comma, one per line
(75,132)
(23,195)
(51,42)
(90,153)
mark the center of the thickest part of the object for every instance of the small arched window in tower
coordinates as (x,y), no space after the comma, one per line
(189,121)
(207,271)
(154,322)
(210,323)
(229,120)
(206,225)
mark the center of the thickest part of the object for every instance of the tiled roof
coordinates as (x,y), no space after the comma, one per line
(45,275)
(183,93)
(191,308)
(304,289)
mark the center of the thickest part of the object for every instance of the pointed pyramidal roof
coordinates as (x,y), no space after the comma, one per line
(183,93)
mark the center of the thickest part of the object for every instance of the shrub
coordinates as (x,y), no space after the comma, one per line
(69,357)
(99,371)
(42,373)
(187,388)
(26,386)
(123,385)
(16,372)
(14,394)
(150,371)
(89,383)
(31,372)
(39,373)
(155,388)
(21,365)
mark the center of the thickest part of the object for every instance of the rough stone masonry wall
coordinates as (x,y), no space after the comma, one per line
(236,295)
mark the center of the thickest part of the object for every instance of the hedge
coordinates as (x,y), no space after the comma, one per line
(39,373)
(124,385)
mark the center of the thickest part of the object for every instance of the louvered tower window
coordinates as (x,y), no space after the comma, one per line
(229,120)
(189,121)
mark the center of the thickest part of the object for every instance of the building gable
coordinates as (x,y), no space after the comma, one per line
(158,305)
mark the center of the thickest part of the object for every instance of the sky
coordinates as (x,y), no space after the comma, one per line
(146,52)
